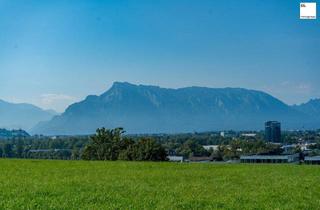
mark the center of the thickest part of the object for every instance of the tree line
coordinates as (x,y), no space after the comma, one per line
(113,144)
(106,144)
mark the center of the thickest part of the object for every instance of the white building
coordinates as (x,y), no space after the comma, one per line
(312,159)
(249,134)
(269,158)
(213,147)
(173,158)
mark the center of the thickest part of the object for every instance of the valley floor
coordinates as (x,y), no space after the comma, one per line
(45,184)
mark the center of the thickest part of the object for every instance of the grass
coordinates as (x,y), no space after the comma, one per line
(45,184)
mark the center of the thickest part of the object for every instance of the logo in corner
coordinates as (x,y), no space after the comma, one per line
(308,10)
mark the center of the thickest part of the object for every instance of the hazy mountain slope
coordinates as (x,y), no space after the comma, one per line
(150,109)
(311,108)
(24,116)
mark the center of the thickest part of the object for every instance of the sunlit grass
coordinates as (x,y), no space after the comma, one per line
(45,184)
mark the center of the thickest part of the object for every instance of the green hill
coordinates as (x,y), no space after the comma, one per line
(9,134)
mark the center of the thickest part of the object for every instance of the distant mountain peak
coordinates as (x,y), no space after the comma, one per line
(117,86)
(314,100)
(311,101)
(122,85)
(152,109)
(311,108)
(128,85)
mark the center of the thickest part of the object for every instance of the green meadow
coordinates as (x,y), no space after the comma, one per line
(46,184)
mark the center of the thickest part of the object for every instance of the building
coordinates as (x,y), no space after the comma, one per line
(269,158)
(211,147)
(174,158)
(305,146)
(273,131)
(200,159)
(289,149)
(248,134)
(228,134)
(312,159)
(222,133)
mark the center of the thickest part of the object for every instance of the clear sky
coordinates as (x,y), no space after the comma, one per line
(56,52)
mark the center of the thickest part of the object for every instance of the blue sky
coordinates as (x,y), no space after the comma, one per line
(56,52)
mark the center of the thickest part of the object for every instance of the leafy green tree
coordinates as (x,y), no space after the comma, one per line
(104,145)
(127,149)
(75,155)
(7,150)
(149,149)
(19,148)
(192,148)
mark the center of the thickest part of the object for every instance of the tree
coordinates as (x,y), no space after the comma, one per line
(7,150)
(192,148)
(126,147)
(149,149)
(75,155)
(104,145)
(19,148)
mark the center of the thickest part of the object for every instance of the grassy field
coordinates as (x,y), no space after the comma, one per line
(44,184)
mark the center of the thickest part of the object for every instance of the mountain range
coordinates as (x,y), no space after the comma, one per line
(151,109)
(25,116)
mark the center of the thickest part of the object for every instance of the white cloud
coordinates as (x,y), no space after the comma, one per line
(56,101)
(298,88)
(285,83)
(304,88)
